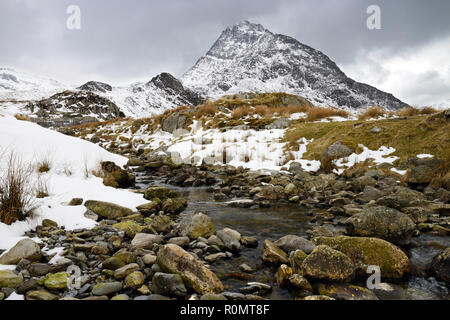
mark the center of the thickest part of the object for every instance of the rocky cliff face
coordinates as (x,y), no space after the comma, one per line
(247,57)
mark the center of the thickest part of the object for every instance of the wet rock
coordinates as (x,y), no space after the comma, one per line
(291,243)
(231,239)
(9,279)
(161,193)
(131,228)
(149,259)
(316,298)
(382,222)
(283,274)
(56,281)
(107,210)
(256,288)
(216,256)
(168,285)
(325,263)
(174,205)
(145,241)
(401,198)
(440,266)
(180,241)
(213,296)
(174,259)
(106,288)
(296,259)
(272,254)
(195,226)
(118,260)
(346,292)
(392,261)
(24,249)
(300,282)
(120,297)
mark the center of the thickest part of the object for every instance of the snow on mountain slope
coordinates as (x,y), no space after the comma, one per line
(247,57)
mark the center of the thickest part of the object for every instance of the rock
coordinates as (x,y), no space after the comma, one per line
(216,256)
(91,215)
(346,292)
(375,130)
(279,124)
(283,274)
(134,280)
(231,239)
(249,242)
(215,241)
(371,193)
(114,176)
(49,223)
(107,210)
(382,222)
(401,198)
(125,271)
(267,193)
(174,205)
(160,223)
(424,171)
(9,279)
(440,266)
(131,228)
(180,241)
(325,263)
(291,190)
(56,281)
(32,284)
(40,295)
(106,288)
(76,202)
(300,282)
(176,120)
(145,241)
(359,184)
(24,249)
(392,261)
(336,151)
(149,259)
(272,254)
(195,226)
(296,259)
(255,288)
(291,243)
(118,260)
(168,285)
(162,193)
(174,259)
(149,208)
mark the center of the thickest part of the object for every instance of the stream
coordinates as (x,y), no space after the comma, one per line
(283,219)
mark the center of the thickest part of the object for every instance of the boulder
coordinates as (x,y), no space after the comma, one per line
(291,243)
(300,282)
(24,249)
(107,210)
(335,151)
(231,239)
(145,241)
(325,263)
(168,285)
(173,259)
(162,193)
(195,226)
(283,274)
(114,176)
(272,254)
(175,121)
(382,222)
(364,252)
(174,205)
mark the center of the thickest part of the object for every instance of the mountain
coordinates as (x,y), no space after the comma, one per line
(247,57)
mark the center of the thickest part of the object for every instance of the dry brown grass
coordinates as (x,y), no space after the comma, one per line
(427,111)
(262,110)
(15,191)
(373,112)
(207,109)
(22,117)
(411,111)
(241,112)
(319,113)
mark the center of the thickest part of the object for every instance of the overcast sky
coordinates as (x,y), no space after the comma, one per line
(126,41)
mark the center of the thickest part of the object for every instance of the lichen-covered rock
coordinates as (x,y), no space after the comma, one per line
(106,288)
(43,295)
(174,205)
(162,193)
(300,282)
(195,226)
(107,210)
(283,274)
(173,259)
(325,263)
(296,259)
(272,254)
(382,222)
(392,261)
(24,249)
(130,227)
(134,280)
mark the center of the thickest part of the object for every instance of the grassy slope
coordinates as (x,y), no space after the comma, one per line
(410,137)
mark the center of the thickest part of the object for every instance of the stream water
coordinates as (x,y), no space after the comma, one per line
(280,220)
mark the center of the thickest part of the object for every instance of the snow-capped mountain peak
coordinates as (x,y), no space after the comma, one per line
(248,57)
(16,80)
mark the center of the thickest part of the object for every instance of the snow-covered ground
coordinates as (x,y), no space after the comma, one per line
(72,161)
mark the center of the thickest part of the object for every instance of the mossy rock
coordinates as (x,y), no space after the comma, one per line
(392,261)
(174,205)
(134,280)
(130,227)
(56,281)
(107,210)
(346,292)
(161,193)
(9,279)
(42,295)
